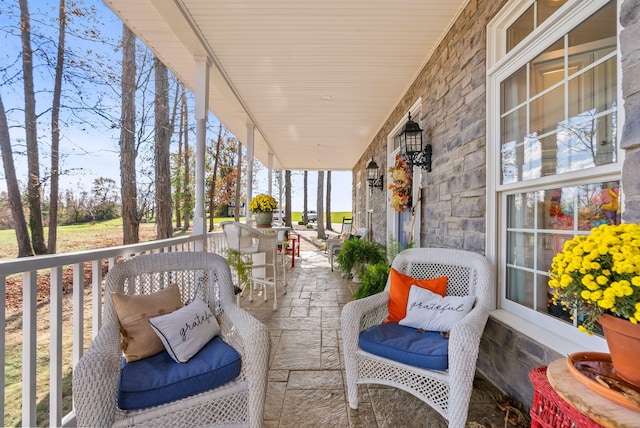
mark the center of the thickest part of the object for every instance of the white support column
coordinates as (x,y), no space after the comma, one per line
(270,172)
(250,130)
(203,65)
(280,192)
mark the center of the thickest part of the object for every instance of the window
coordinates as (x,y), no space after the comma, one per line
(531,19)
(552,125)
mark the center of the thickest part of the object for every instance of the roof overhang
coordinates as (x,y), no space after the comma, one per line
(317,79)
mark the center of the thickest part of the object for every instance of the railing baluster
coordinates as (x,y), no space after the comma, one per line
(78,312)
(29,360)
(55,361)
(3,327)
(96,296)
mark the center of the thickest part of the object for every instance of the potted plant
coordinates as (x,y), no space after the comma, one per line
(242,265)
(597,278)
(374,277)
(356,253)
(262,206)
(373,280)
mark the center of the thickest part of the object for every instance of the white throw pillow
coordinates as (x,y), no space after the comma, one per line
(432,312)
(185,331)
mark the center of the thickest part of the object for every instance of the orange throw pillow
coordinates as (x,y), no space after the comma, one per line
(399,292)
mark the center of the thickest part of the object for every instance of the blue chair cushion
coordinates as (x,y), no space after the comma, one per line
(418,348)
(159,379)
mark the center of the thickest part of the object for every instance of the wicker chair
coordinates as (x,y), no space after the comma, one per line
(238,402)
(448,391)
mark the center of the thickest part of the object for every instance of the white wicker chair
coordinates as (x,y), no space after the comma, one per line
(238,403)
(448,391)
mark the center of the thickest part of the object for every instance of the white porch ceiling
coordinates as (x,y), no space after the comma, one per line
(317,78)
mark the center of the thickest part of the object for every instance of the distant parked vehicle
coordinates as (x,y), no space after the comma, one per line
(278,215)
(312,215)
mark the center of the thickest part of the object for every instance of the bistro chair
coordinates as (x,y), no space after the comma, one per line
(224,383)
(262,247)
(442,378)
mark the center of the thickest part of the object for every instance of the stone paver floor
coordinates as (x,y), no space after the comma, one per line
(306,380)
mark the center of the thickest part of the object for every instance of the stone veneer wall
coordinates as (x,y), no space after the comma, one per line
(630,140)
(453,90)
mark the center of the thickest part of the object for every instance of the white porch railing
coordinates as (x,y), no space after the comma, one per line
(36,332)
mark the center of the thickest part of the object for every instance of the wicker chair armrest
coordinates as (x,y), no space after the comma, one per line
(464,346)
(466,334)
(95,379)
(360,314)
(255,340)
(374,306)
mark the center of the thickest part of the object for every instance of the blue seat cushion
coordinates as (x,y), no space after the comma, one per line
(159,379)
(418,348)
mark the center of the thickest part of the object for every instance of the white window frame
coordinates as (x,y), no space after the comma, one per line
(392,215)
(546,330)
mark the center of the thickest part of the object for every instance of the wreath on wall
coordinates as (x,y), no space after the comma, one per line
(400,185)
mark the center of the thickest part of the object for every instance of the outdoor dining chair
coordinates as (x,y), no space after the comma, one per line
(262,247)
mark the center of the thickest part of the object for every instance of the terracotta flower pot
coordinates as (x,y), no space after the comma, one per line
(623,338)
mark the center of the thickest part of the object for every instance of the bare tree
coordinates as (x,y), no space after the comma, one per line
(164,228)
(236,212)
(329,226)
(320,197)
(128,152)
(13,191)
(179,163)
(214,175)
(186,207)
(55,133)
(31,133)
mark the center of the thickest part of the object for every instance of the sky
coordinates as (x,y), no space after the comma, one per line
(87,152)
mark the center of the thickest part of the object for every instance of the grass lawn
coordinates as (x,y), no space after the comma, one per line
(88,236)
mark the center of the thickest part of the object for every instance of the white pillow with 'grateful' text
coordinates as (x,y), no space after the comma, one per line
(431,312)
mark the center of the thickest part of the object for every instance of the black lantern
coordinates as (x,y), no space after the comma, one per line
(411,147)
(373,178)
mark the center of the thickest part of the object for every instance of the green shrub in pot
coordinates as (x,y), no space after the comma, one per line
(355,254)
(373,280)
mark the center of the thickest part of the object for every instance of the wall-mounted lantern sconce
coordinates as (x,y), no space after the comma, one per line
(411,147)
(373,178)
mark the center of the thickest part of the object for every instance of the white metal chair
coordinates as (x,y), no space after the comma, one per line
(263,249)
(449,391)
(204,275)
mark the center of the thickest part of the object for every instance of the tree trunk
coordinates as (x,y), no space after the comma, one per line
(164,228)
(236,212)
(179,162)
(128,183)
(13,191)
(186,207)
(305,210)
(214,176)
(55,134)
(287,196)
(329,226)
(320,197)
(31,134)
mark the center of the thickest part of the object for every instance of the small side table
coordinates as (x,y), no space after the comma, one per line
(549,410)
(603,411)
